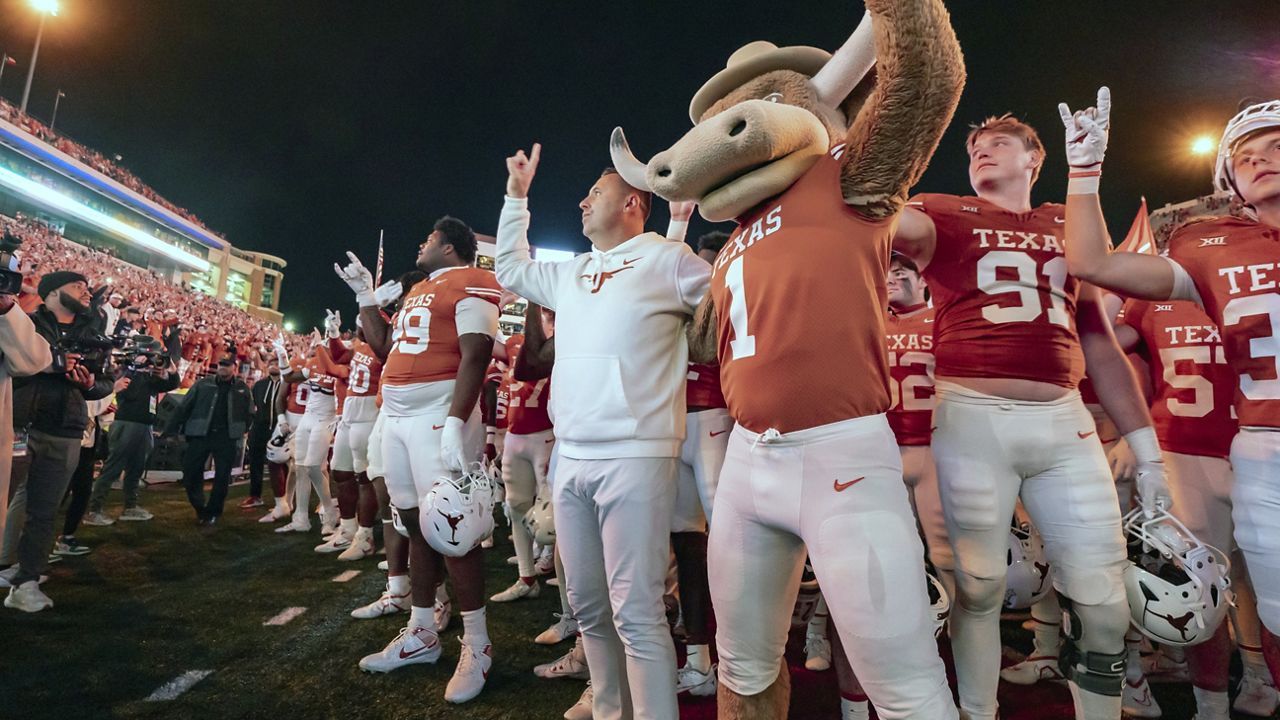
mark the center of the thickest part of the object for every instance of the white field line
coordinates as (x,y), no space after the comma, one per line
(178,685)
(346,576)
(285,616)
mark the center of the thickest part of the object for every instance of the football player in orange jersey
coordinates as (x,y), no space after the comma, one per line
(312,437)
(436,356)
(1012,338)
(1227,266)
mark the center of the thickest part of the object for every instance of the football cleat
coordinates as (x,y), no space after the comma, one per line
(700,684)
(386,604)
(361,546)
(137,514)
(278,513)
(295,526)
(1033,670)
(410,647)
(1138,702)
(581,710)
(1257,696)
(336,542)
(572,664)
(1159,667)
(473,669)
(27,597)
(563,629)
(520,589)
(817,651)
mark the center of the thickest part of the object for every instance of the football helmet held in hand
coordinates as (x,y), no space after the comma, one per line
(457,513)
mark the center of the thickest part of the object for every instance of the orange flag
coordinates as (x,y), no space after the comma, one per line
(1140,238)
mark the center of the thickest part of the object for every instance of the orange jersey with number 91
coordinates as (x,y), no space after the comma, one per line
(424,335)
(802,280)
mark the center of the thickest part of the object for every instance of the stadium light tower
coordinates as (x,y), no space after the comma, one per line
(45,8)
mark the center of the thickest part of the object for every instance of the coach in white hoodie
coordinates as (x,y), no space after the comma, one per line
(619,411)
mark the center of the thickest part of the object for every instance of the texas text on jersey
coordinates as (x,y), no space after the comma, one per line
(801,271)
(702,388)
(1192,386)
(366,371)
(1006,305)
(1233,264)
(426,320)
(909,338)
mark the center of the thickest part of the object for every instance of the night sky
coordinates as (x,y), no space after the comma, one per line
(301,128)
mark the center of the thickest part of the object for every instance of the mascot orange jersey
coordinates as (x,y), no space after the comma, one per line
(426,320)
(760,349)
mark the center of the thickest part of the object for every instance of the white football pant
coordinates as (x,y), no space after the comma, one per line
(351,442)
(921,478)
(613,525)
(1255,508)
(706,436)
(836,489)
(411,453)
(311,438)
(525,459)
(990,452)
(375,468)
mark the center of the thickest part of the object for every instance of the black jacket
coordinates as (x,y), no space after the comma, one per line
(264,412)
(49,402)
(135,403)
(196,413)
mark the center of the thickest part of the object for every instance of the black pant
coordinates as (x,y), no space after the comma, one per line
(223,449)
(81,484)
(257,451)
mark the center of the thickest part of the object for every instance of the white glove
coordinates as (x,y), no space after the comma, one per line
(388,292)
(282,423)
(282,354)
(1087,132)
(358,278)
(451,450)
(1124,466)
(1153,490)
(332,323)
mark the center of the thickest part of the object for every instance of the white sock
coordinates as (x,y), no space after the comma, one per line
(854,709)
(698,658)
(349,526)
(474,630)
(398,584)
(420,617)
(818,622)
(1254,663)
(1211,705)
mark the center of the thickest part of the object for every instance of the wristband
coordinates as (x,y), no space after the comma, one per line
(1145,446)
(1084,181)
(366,299)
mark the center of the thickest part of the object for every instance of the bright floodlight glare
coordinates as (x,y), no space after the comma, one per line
(45,6)
(288,326)
(1203,145)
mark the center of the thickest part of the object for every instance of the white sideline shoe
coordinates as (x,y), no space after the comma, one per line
(473,669)
(410,647)
(563,629)
(694,682)
(817,651)
(572,664)
(360,547)
(520,589)
(386,604)
(1032,670)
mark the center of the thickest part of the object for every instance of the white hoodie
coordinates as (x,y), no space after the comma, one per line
(621,354)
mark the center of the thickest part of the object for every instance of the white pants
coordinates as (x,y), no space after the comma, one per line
(311,438)
(613,521)
(921,478)
(989,453)
(375,468)
(701,456)
(838,490)
(525,460)
(1255,457)
(351,446)
(411,453)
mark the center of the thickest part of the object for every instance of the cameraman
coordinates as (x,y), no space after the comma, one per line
(50,409)
(214,417)
(130,439)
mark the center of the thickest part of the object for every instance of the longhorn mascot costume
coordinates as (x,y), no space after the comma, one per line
(815,171)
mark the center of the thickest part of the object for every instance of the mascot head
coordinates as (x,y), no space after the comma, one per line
(759,124)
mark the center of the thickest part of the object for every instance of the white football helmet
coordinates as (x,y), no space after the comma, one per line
(939,603)
(540,522)
(457,513)
(1179,588)
(1027,579)
(397,523)
(1248,121)
(280,446)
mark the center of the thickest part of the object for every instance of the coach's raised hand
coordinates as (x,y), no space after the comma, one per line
(520,171)
(1086,132)
(358,278)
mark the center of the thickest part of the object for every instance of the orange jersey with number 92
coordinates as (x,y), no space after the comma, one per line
(424,335)
(909,338)
(802,280)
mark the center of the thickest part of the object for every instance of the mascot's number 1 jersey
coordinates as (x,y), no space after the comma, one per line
(800,281)
(1006,304)
(424,339)
(909,337)
(1233,264)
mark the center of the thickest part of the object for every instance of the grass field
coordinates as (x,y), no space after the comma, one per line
(157,600)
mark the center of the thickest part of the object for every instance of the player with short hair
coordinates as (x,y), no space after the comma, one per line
(1013,336)
(437,348)
(312,437)
(1226,266)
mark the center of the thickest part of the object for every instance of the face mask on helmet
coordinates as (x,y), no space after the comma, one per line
(1027,578)
(1247,122)
(457,513)
(939,603)
(1178,588)
(280,447)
